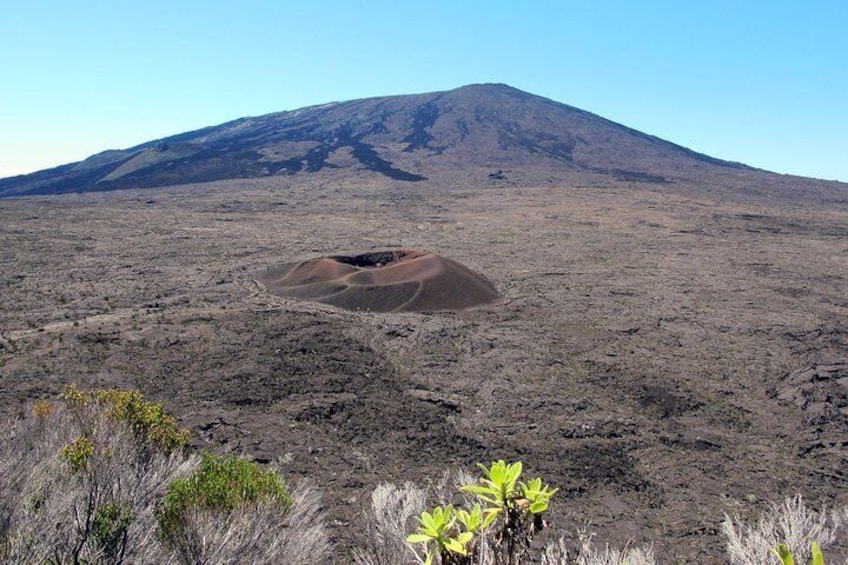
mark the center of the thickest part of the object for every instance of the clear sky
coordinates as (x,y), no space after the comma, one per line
(756,81)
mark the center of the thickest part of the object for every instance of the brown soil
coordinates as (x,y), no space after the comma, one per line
(662,358)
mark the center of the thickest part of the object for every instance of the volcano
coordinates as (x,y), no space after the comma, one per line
(484,132)
(386,281)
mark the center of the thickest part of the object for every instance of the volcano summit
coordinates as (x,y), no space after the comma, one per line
(473,132)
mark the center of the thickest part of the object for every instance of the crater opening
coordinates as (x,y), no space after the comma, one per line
(374,260)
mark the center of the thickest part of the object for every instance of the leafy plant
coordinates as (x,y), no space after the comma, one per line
(436,531)
(500,526)
(536,495)
(498,487)
(150,424)
(78,454)
(476,521)
(220,484)
(110,527)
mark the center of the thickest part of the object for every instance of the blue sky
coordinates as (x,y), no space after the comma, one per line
(764,83)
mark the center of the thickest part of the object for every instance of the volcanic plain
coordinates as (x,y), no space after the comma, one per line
(641,355)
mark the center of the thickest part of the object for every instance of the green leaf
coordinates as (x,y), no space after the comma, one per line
(490,518)
(473,520)
(534,485)
(537,494)
(465,538)
(514,471)
(418,538)
(816,555)
(538,507)
(454,546)
(782,552)
(478,489)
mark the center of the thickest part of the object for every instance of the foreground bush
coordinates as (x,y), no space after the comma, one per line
(105,477)
(588,553)
(85,480)
(494,522)
(499,526)
(789,530)
(219,490)
(388,521)
(150,427)
(220,484)
(787,534)
(80,477)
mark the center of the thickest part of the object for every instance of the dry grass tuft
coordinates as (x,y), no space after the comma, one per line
(791,523)
(389,520)
(588,554)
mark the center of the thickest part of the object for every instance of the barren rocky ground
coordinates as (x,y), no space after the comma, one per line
(664,357)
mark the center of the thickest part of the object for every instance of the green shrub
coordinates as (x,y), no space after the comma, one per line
(81,475)
(109,527)
(149,423)
(93,478)
(220,484)
(78,454)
